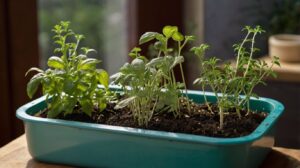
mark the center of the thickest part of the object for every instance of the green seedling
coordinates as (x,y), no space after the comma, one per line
(72,78)
(150,85)
(229,82)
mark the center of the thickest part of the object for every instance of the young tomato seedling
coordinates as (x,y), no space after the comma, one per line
(229,82)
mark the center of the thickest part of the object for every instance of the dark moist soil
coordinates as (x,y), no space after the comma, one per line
(200,122)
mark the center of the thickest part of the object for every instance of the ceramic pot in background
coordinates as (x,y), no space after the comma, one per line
(285,46)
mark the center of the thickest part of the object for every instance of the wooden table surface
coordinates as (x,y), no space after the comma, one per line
(288,71)
(15,155)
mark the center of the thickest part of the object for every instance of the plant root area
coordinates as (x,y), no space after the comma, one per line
(199,121)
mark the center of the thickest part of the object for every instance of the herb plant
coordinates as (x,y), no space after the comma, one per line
(151,86)
(72,78)
(229,82)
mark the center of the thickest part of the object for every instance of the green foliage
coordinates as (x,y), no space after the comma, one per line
(72,78)
(285,17)
(232,81)
(150,85)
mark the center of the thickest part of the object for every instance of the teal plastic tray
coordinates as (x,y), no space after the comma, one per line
(96,145)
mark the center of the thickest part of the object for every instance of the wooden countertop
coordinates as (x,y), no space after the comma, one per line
(15,154)
(289,72)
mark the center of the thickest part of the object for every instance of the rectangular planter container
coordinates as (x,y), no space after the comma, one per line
(96,145)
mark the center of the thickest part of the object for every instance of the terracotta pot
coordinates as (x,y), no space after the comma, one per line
(285,46)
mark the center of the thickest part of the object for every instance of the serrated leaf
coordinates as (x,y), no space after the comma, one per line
(33,84)
(55,62)
(125,102)
(146,37)
(103,77)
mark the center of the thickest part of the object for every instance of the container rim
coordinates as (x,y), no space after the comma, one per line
(265,125)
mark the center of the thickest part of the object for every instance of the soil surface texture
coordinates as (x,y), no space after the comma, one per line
(200,121)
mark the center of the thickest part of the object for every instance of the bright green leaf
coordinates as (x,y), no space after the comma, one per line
(177,36)
(55,62)
(146,37)
(88,64)
(33,84)
(168,31)
(136,49)
(103,77)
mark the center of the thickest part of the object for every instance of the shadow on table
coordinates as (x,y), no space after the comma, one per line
(36,164)
(276,159)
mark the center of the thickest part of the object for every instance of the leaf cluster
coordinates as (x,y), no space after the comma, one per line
(72,78)
(229,82)
(150,85)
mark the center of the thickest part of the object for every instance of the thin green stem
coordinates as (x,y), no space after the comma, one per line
(251,54)
(182,75)
(239,53)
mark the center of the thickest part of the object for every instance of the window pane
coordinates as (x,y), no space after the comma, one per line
(103,22)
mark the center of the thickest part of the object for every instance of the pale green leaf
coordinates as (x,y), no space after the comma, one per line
(88,64)
(125,102)
(55,62)
(103,77)
(155,61)
(177,36)
(146,37)
(177,60)
(34,69)
(168,31)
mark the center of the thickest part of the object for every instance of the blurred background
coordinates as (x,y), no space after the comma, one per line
(113,27)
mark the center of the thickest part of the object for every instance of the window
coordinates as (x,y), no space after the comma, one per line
(103,22)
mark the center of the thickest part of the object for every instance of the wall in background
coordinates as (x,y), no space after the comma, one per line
(222,27)
(18,52)
(224,20)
